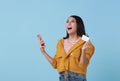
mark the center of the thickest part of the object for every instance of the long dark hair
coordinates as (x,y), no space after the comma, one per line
(80,27)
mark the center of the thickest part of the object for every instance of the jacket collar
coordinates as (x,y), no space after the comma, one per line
(78,43)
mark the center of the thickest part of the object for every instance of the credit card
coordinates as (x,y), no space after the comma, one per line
(85,38)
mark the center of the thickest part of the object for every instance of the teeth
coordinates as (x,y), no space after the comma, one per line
(69,28)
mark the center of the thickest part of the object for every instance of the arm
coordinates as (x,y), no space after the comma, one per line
(42,48)
(49,58)
(83,58)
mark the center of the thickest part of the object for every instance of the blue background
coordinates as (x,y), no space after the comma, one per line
(22,20)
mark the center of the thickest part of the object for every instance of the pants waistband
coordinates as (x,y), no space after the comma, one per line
(70,72)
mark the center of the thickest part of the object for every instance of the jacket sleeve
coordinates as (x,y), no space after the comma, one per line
(54,63)
(89,53)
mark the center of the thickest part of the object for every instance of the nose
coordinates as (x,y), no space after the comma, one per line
(69,23)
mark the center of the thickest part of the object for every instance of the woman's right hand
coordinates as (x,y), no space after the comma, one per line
(41,43)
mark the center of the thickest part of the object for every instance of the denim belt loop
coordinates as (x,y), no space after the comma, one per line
(66,75)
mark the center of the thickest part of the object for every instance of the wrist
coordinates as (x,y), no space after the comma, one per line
(43,51)
(83,49)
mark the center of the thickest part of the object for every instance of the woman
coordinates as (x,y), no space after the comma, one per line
(73,53)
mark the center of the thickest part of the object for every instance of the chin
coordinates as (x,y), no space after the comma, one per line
(70,33)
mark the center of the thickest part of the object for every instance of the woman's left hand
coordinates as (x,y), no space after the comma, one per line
(86,45)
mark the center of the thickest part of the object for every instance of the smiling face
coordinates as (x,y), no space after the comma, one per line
(71,26)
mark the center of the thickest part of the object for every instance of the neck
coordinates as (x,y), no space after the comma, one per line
(73,37)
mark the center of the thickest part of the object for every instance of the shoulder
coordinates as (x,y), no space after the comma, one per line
(92,47)
(91,44)
(60,41)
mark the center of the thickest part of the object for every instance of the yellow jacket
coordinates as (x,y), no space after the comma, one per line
(71,61)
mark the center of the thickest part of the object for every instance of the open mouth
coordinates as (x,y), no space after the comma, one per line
(70,28)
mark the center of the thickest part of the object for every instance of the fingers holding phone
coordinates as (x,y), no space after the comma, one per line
(41,43)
